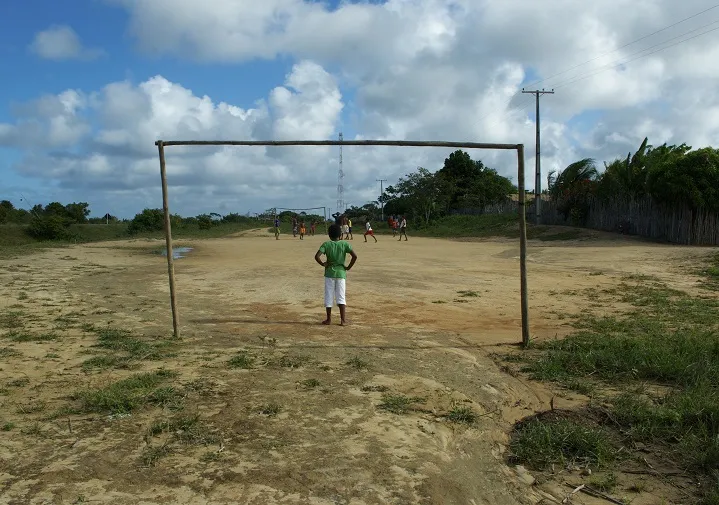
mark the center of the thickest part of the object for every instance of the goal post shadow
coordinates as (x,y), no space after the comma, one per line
(519,148)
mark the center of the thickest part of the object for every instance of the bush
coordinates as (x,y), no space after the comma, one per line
(147,220)
(205,222)
(51,227)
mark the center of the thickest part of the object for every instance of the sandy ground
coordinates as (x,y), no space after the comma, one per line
(329,444)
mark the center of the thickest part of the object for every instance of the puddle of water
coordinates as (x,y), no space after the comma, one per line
(178,252)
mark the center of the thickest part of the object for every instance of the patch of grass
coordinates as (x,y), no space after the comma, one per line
(310,383)
(123,396)
(271,409)
(673,340)
(462,414)
(539,443)
(242,360)
(357,363)
(185,429)
(605,483)
(151,455)
(663,353)
(487,225)
(30,337)
(167,397)
(32,430)
(52,355)
(7,426)
(125,349)
(12,319)
(108,361)
(19,382)
(22,296)
(31,408)
(468,294)
(439,301)
(211,456)
(9,352)
(122,340)
(581,386)
(398,403)
(291,361)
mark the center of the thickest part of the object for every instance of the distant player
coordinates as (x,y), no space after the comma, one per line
(313,227)
(349,229)
(403,229)
(277,228)
(345,227)
(369,232)
(394,226)
(335,251)
(303,230)
(295,228)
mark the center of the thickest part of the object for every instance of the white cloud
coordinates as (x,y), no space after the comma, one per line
(60,42)
(52,121)
(421,69)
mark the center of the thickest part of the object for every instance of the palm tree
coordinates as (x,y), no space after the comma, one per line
(579,172)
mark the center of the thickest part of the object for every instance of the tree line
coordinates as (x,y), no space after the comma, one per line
(674,176)
(55,220)
(423,195)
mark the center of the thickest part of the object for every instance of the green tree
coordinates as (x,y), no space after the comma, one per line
(691,179)
(6,209)
(77,212)
(147,221)
(572,189)
(627,178)
(469,184)
(423,192)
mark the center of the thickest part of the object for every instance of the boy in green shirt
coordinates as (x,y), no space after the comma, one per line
(335,250)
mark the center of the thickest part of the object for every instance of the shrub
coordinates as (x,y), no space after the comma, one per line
(51,227)
(147,220)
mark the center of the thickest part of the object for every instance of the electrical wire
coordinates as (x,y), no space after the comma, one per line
(626,45)
(610,52)
(624,61)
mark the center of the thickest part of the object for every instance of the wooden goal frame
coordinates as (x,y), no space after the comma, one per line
(519,148)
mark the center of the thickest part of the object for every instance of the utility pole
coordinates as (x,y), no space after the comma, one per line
(381,192)
(537,160)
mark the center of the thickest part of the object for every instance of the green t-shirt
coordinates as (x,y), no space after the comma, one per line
(336,252)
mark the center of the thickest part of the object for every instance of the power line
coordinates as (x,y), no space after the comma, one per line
(606,53)
(619,63)
(627,45)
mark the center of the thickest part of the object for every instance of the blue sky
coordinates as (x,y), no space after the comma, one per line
(443,69)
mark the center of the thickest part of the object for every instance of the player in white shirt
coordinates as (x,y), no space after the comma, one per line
(369,232)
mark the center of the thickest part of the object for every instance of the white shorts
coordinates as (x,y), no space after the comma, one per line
(334,290)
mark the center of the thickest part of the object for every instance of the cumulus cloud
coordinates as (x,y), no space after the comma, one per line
(421,69)
(60,42)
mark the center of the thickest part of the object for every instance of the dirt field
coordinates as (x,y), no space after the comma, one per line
(301,417)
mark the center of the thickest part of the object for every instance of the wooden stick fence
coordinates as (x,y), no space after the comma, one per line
(161,144)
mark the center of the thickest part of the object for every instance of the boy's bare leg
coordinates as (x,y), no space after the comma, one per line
(342,315)
(329,315)
(375,238)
